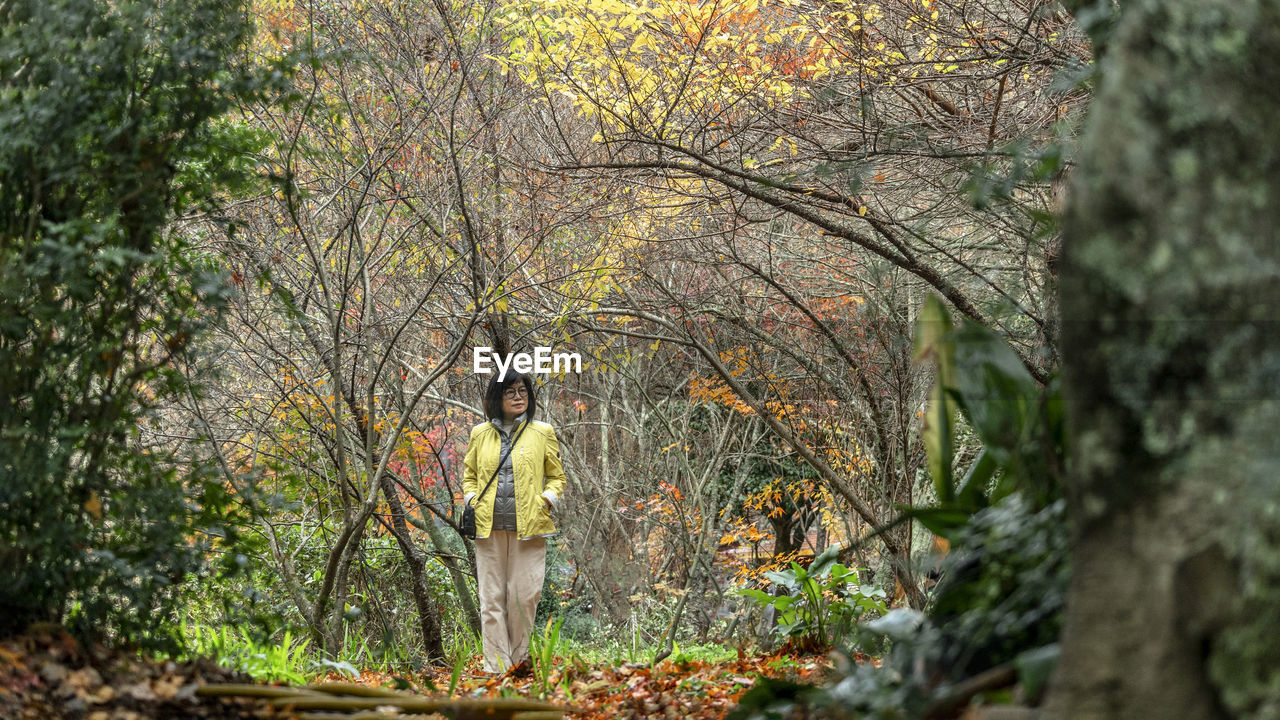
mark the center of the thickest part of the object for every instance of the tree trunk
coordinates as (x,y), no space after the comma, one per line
(1171,359)
(428,614)
(784,541)
(469,606)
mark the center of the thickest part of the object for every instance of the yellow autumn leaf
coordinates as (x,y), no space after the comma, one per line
(93,505)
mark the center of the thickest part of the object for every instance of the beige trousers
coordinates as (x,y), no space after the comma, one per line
(510,573)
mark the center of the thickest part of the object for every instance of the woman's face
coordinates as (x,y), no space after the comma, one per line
(514,400)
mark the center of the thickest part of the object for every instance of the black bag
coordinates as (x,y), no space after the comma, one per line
(467,526)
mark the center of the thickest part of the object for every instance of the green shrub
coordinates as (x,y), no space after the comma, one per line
(822,603)
(1002,590)
(1003,587)
(106,134)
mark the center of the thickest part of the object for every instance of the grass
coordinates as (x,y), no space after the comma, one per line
(284,661)
(557,658)
(542,654)
(621,652)
(290,659)
(465,646)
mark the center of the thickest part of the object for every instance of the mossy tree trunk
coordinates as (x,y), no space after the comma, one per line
(1171,354)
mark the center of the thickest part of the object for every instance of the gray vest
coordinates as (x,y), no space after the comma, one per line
(504,501)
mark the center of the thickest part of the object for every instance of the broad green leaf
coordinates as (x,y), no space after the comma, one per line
(931,344)
(785,578)
(785,629)
(941,521)
(1035,667)
(897,624)
(973,488)
(826,560)
(998,395)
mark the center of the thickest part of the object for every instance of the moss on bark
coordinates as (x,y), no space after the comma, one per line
(1171,352)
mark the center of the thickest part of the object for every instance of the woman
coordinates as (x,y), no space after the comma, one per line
(514,479)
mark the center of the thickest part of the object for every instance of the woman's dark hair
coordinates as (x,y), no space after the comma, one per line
(493,394)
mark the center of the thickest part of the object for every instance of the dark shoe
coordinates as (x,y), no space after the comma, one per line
(522,669)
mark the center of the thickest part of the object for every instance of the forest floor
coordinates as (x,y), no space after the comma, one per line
(46,674)
(672,689)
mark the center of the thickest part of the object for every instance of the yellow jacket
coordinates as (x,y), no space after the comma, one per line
(536,468)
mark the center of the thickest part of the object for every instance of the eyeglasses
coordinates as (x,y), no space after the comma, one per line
(515,392)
